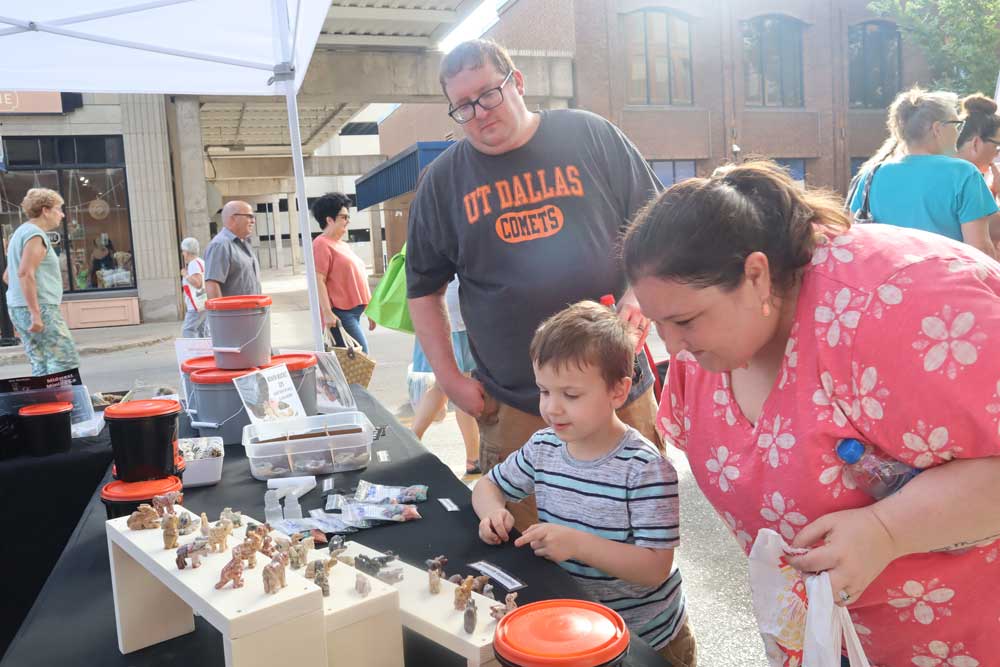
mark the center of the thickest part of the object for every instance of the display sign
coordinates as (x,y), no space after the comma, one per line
(15,102)
(269,395)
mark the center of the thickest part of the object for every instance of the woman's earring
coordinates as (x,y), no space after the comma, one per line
(765,309)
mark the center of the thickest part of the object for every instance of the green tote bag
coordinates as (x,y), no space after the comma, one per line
(388,305)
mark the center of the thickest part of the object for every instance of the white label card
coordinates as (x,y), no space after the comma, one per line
(383,456)
(328,484)
(502,577)
(449,504)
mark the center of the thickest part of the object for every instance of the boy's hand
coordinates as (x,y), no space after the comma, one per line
(495,527)
(552,541)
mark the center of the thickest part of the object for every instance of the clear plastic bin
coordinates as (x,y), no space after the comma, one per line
(318,445)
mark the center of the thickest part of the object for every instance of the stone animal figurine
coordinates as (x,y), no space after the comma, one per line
(390,575)
(498,611)
(233,571)
(336,546)
(144,518)
(299,553)
(469,620)
(367,564)
(455,579)
(246,551)
(205,525)
(267,546)
(479,583)
(193,550)
(188,523)
(170,526)
(362,586)
(434,581)
(165,504)
(346,560)
(322,579)
(437,563)
(385,559)
(315,566)
(274,573)
(488,591)
(235,517)
(463,594)
(217,536)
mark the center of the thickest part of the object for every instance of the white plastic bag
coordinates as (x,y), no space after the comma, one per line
(796,615)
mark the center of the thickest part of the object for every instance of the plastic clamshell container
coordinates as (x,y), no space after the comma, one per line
(318,445)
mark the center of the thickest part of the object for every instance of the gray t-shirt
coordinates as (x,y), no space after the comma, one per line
(628,495)
(529,232)
(231,262)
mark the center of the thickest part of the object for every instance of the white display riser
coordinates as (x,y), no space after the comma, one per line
(154,602)
(435,616)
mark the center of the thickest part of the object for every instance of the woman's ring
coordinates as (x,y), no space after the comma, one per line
(845,596)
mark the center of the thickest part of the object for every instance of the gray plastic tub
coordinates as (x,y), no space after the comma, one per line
(241,330)
(215,406)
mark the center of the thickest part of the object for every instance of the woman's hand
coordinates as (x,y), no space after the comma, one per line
(495,527)
(550,540)
(184,273)
(371,324)
(852,546)
(329,319)
(37,326)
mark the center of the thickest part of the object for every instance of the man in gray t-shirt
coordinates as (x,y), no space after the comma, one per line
(527,210)
(231,267)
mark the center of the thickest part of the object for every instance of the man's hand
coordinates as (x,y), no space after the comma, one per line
(37,326)
(329,319)
(552,541)
(495,527)
(852,546)
(638,324)
(371,324)
(466,393)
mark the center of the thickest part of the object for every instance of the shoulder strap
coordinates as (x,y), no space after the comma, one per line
(865,212)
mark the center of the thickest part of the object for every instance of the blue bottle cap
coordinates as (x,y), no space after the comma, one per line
(850,450)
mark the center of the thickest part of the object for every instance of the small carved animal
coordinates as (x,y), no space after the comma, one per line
(235,517)
(455,579)
(463,594)
(346,560)
(488,591)
(274,573)
(336,546)
(205,525)
(267,546)
(144,518)
(170,531)
(498,611)
(188,524)
(469,621)
(233,571)
(322,579)
(165,504)
(193,550)
(436,563)
(217,536)
(362,585)
(479,583)
(390,575)
(299,553)
(315,566)
(246,551)
(434,581)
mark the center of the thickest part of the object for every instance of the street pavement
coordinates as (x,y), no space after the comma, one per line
(713,565)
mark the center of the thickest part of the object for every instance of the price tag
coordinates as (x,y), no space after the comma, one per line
(449,504)
(502,577)
(383,456)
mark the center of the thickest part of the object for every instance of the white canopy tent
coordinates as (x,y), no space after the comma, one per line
(175,47)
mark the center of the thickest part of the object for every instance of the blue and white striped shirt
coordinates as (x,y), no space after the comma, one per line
(628,495)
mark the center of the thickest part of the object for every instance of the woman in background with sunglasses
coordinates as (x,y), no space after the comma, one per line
(919,183)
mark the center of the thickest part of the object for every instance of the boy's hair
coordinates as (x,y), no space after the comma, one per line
(585,333)
(473,54)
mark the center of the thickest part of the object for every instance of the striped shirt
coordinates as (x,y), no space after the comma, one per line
(628,495)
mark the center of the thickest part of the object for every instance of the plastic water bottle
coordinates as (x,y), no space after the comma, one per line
(874,473)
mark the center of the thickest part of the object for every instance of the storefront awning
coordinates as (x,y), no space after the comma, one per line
(397,175)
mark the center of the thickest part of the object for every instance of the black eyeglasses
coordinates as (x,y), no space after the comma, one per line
(959,124)
(491,99)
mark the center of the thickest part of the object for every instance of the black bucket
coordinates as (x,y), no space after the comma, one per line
(46,428)
(143,438)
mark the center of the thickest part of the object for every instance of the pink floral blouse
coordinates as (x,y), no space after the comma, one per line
(896,342)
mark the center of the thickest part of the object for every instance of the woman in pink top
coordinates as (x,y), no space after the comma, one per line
(791,330)
(341,275)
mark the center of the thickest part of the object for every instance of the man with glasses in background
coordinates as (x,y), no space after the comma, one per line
(527,209)
(231,267)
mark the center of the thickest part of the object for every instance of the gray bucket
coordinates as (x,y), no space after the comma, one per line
(216,408)
(241,331)
(302,369)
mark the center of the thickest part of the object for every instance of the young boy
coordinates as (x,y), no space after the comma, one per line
(607,500)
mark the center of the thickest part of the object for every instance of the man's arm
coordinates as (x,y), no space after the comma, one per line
(213,289)
(977,233)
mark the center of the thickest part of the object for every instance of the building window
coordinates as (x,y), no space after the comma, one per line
(672,171)
(772,62)
(658,49)
(876,64)
(794,166)
(94,243)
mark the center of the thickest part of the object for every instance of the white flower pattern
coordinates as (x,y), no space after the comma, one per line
(841,312)
(723,470)
(782,514)
(832,251)
(835,475)
(742,536)
(940,654)
(724,406)
(993,408)
(928,446)
(776,443)
(949,341)
(922,602)
(832,408)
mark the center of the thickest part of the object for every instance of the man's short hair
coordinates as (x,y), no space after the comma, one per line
(585,333)
(473,54)
(329,205)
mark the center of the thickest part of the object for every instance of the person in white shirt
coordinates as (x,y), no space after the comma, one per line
(193,281)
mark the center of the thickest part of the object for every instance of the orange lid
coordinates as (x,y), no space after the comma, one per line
(39,409)
(154,407)
(219,375)
(295,362)
(561,632)
(198,363)
(179,462)
(243,302)
(118,491)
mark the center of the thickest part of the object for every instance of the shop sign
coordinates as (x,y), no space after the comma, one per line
(16,102)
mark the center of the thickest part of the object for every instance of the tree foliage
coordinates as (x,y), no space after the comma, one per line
(959,38)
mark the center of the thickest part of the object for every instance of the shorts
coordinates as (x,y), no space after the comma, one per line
(459,345)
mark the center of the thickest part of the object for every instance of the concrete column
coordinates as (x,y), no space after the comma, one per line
(375,224)
(151,206)
(191,168)
(276,231)
(293,231)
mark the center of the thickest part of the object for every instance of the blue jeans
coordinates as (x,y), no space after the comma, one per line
(351,321)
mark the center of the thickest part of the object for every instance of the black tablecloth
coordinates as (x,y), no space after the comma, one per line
(78,592)
(42,499)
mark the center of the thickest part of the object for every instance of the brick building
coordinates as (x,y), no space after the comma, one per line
(695,84)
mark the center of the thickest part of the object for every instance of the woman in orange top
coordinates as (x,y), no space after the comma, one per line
(341,275)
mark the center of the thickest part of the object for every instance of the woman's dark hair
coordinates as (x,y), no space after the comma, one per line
(981,118)
(701,230)
(329,205)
